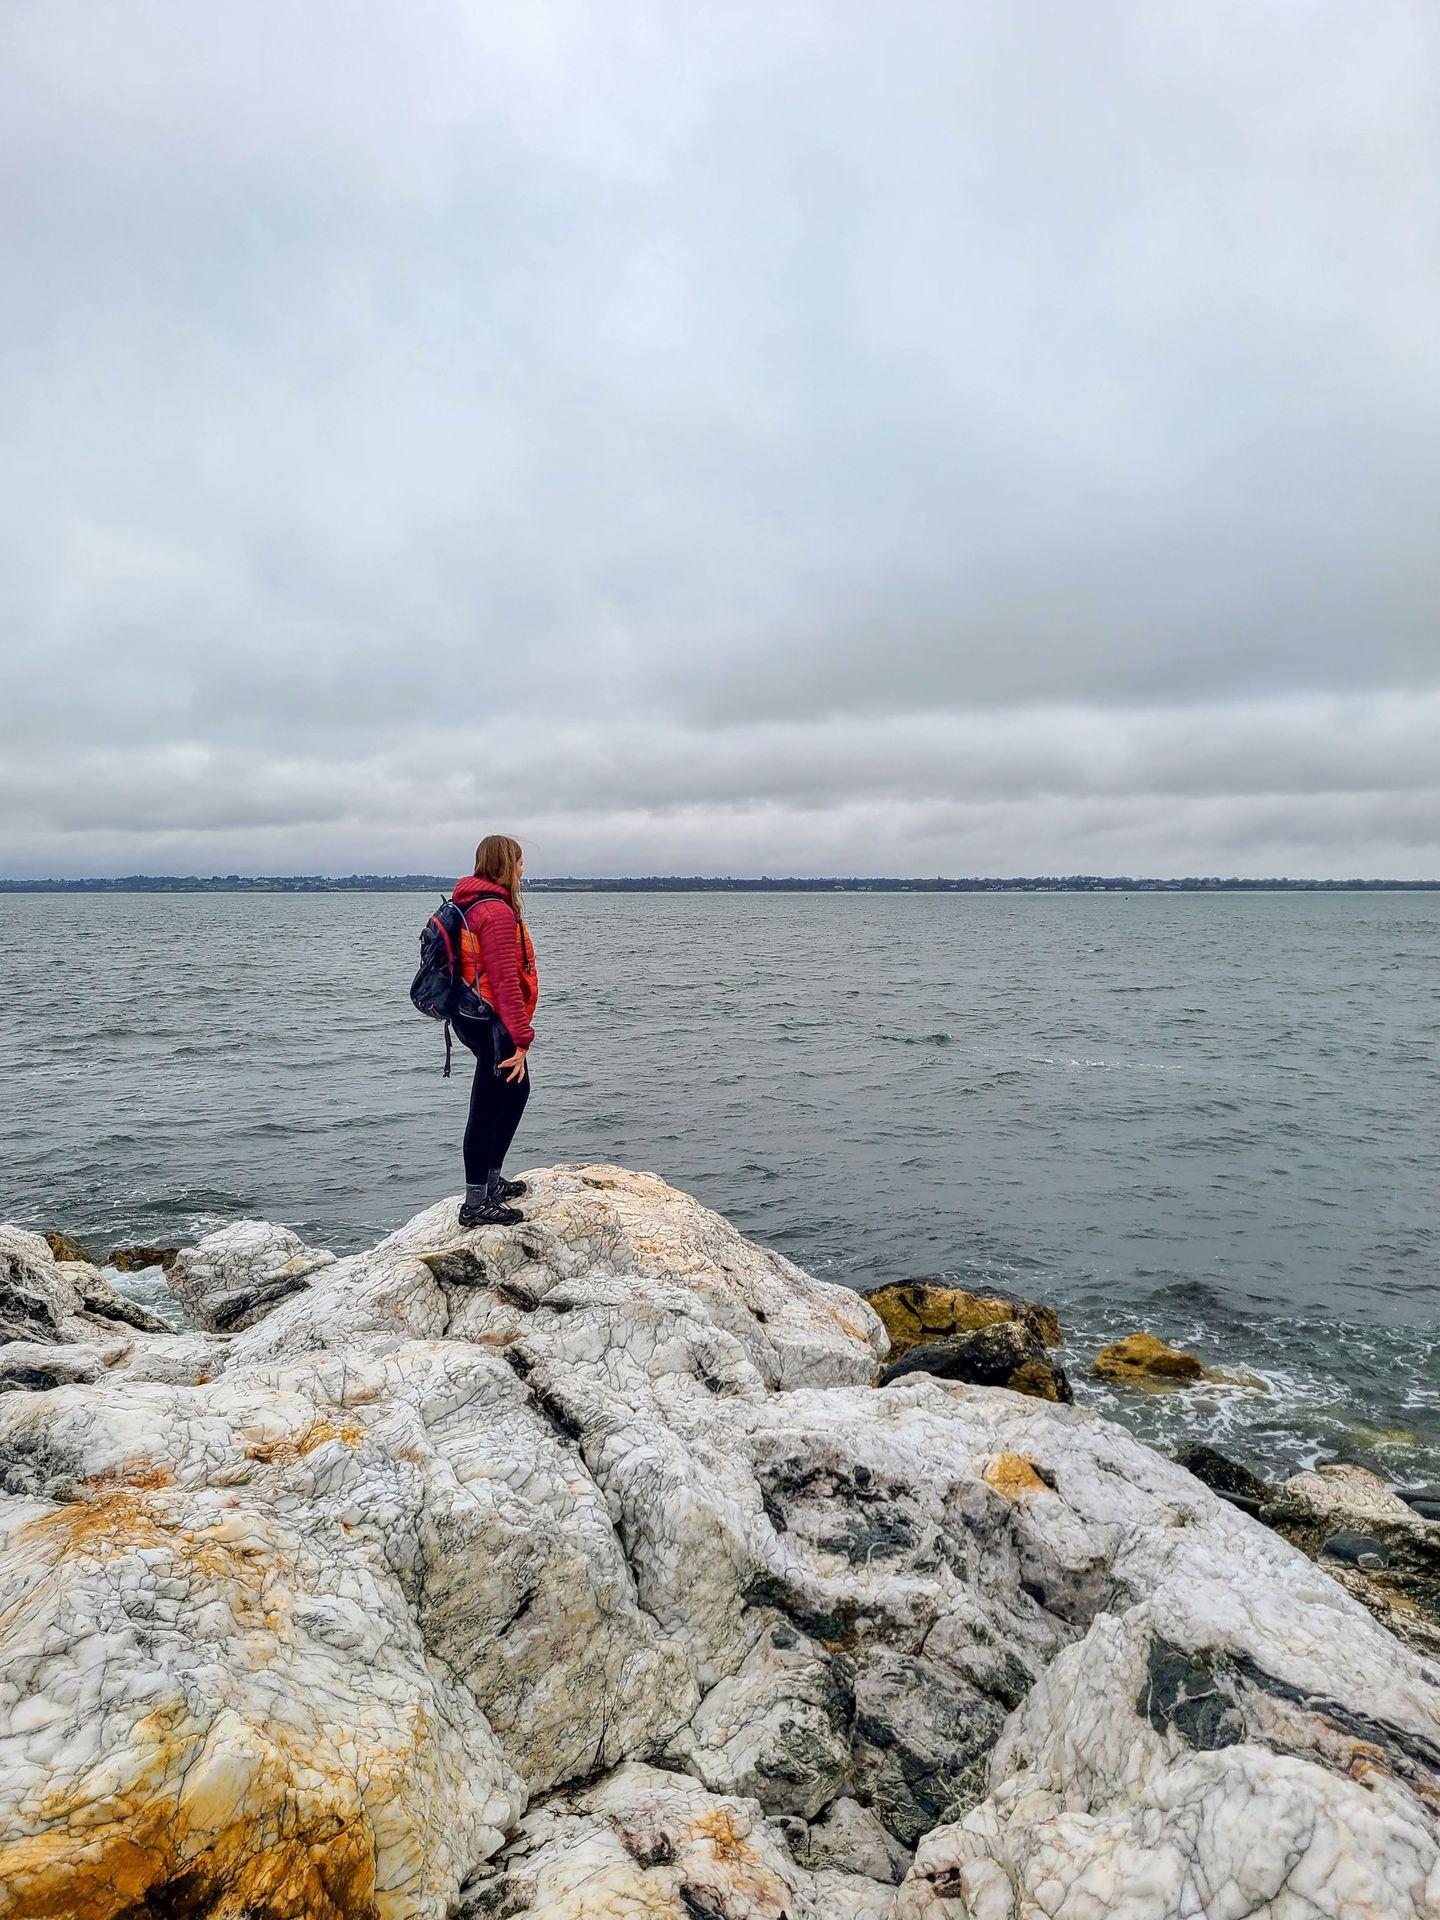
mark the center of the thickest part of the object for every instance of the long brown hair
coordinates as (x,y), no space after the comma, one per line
(497,858)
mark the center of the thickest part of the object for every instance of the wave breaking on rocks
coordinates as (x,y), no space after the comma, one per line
(580,1570)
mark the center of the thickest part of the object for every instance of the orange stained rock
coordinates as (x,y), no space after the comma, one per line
(290,1447)
(728,1839)
(1012,1474)
(278,1856)
(111,1519)
(114,1521)
(150,1475)
(1036,1378)
(142,1473)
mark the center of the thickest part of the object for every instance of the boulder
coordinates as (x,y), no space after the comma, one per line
(234,1277)
(848,1838)
(64,1248)
(136,1259)
(1006,1354)
(396,1614)
(1153,1778)
(1227,1477)
(1140,1360)
(101,1300)
(916,1311)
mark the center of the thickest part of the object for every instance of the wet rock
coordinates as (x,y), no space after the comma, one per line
(1227,1477)
(135,1259)
(1004,1355)
(64,1248)
(1322,1498)
(1140,1360)
(101,1300)
(916,1311)
(234,1277)
(393,1614)
(1422,1500)
(1354,1549)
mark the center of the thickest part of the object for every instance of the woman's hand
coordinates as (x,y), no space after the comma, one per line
(514,1068)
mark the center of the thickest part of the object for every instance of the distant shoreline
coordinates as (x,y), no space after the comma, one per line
(428,883)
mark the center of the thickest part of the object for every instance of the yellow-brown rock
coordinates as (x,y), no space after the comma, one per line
(1140,1360)
(914,1311)
(1012,1474)
(135,1259)
(64,1248)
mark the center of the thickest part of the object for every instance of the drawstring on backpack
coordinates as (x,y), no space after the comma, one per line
(447,1050)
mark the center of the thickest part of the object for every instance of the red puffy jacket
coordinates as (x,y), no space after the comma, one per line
(498,959)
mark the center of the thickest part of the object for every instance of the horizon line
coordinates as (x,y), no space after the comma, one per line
(411,882)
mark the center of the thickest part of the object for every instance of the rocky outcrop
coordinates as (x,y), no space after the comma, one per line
(1370,1540)
(579,1569)
(654,1845)
(916,1311)
(232,1278)
(45,1301)
(1006,1354)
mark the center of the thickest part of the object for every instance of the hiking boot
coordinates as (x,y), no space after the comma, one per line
(503,1189)
(492,1214)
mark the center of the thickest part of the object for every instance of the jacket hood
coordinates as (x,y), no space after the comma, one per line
(469,890)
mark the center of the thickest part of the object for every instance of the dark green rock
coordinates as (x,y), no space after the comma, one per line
(1007,1354)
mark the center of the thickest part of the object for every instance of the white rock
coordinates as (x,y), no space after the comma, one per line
(477,1518)
(643,1843)
(233,1277)
(55,1302)
(35,1366)
(37,1301)
(847,1838)
(1353,1496)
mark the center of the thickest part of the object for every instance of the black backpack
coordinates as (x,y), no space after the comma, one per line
(439,989)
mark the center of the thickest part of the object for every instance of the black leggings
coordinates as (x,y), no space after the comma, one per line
(496,1104)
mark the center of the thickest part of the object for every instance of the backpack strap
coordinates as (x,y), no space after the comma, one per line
(446,1074)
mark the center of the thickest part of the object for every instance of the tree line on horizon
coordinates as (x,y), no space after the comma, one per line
(701,883)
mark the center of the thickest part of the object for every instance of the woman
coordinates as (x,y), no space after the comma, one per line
(498,960)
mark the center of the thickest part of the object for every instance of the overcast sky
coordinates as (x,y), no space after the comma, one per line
(877,438)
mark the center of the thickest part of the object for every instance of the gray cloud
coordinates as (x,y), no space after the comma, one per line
(801,438)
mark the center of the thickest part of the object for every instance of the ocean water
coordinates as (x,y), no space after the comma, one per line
(1215,1117)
